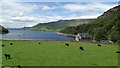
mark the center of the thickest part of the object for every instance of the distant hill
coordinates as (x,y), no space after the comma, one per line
(3,30)
(105,27)
(57,25)
(24,28)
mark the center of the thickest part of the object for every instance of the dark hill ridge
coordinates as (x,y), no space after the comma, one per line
(23,28)
(110,12)
(3,30)
(105,27)
(57,25)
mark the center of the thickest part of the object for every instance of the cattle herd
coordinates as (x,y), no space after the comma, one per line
(8,56)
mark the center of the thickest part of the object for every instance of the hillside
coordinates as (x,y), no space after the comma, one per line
(105,27)
(3,30)
(23,28)
(57,25)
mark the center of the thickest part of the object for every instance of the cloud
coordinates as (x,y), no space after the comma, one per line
(84,16)
(89,6)
(28,21)
(48,8)
(24,19)
(13,9)
(89,16)
(40,19)
(19,14)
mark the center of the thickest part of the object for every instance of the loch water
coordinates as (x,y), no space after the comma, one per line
(33,35)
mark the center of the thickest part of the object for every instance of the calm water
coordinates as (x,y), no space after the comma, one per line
(33,35)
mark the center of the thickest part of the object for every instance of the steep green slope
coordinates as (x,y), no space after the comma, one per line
(105,27)
(3,30)
(57,25)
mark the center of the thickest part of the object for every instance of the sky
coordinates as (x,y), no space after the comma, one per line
(26,14)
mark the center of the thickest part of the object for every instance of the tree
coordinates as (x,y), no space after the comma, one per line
(100,34)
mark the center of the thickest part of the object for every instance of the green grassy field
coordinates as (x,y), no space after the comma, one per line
(55,53)
(0,54)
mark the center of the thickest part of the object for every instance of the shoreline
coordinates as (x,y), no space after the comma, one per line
(37,40)
(66,34)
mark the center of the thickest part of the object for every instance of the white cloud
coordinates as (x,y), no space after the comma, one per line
(40,19)
(28,21)
(48,8)
(25,19)
(74,7)
(90,6)
(17,14)
(13,9)
(89,16)
(84,16)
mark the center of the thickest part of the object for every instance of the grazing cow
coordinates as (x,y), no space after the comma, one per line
(118,52)
(7,56)
(11,43)
(2,45)
(81,48)
(67,44)
(99,45)
(18,66)
(38,43)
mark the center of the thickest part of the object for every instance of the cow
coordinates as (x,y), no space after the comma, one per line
(99,45)
(118,52)
(7,56)
(18,66)
(67,44)
(81,48)
(2,45)
(11,43)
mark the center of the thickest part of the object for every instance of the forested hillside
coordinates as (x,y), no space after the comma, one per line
(57,25)
(3,30)
(105,27)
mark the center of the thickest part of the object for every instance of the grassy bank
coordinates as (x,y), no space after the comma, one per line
(56,53)
(0,54)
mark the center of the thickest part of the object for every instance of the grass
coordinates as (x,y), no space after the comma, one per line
(55,53)
(0,54)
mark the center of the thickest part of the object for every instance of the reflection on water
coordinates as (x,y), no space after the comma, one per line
(33,35)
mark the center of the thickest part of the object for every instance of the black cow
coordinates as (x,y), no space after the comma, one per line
(38,43)
(118,52)
(99,45)
(67,44)
(11,43)
(18,66)
(2,45)
(81,48)
(7,56)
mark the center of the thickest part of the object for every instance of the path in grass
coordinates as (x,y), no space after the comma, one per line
(55,53)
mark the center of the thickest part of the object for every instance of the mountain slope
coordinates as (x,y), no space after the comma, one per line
(105,27)
(23,28)
(57,25)
(3,30)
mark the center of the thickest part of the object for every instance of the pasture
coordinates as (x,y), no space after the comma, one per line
(56,53)
(0,54)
